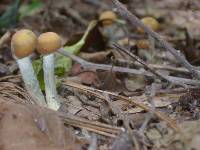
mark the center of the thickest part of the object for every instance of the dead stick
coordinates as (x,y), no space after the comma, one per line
(92,130)
(97,127)
(94,127)
(147,66)
(92,123)
(154,66)
(117,46)
(89,65)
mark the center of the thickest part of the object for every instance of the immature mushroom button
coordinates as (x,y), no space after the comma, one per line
(150,22)
(48,43)
(23,44)
(107,18)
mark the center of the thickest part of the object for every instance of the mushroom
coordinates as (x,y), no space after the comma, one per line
(150,22)
(48,43)
(23,44)
(107,18)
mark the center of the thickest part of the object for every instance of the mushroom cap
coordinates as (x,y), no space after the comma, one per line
(23,43)
(48,42)
(151,23)
(107,17)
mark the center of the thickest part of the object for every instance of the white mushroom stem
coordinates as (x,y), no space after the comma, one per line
(30,80)
(50,82)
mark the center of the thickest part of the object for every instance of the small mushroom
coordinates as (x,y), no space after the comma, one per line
(151,23)
(107,18)
(23,44)
(48,43)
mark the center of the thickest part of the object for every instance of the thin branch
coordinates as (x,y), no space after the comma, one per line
(89,65)
(141,62)
(136,22)
(154,66)
(94,126)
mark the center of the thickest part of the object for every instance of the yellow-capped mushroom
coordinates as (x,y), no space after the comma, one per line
(151,23)
(23,44)
(107,18)
(48,43)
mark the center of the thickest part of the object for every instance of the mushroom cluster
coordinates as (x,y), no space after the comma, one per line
(23,44)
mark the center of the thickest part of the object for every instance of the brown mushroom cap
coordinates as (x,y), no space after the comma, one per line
(107,18)
(48,42)
(23,43)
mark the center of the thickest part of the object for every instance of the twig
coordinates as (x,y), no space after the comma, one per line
(97,127)
(154,66)
(89,65)
(91,129)
(136,22)
(9,77)
(141,62)
(98,93)
(113,128)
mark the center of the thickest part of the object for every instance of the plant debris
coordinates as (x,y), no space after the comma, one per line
(126,75)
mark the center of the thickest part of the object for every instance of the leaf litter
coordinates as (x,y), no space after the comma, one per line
(114,109)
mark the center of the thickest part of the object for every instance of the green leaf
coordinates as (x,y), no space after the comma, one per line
(40,77)
(74,49)
(9,17)
(62,64)
(30,9)
(37,65)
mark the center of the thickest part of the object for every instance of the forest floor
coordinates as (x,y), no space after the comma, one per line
(124,87)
